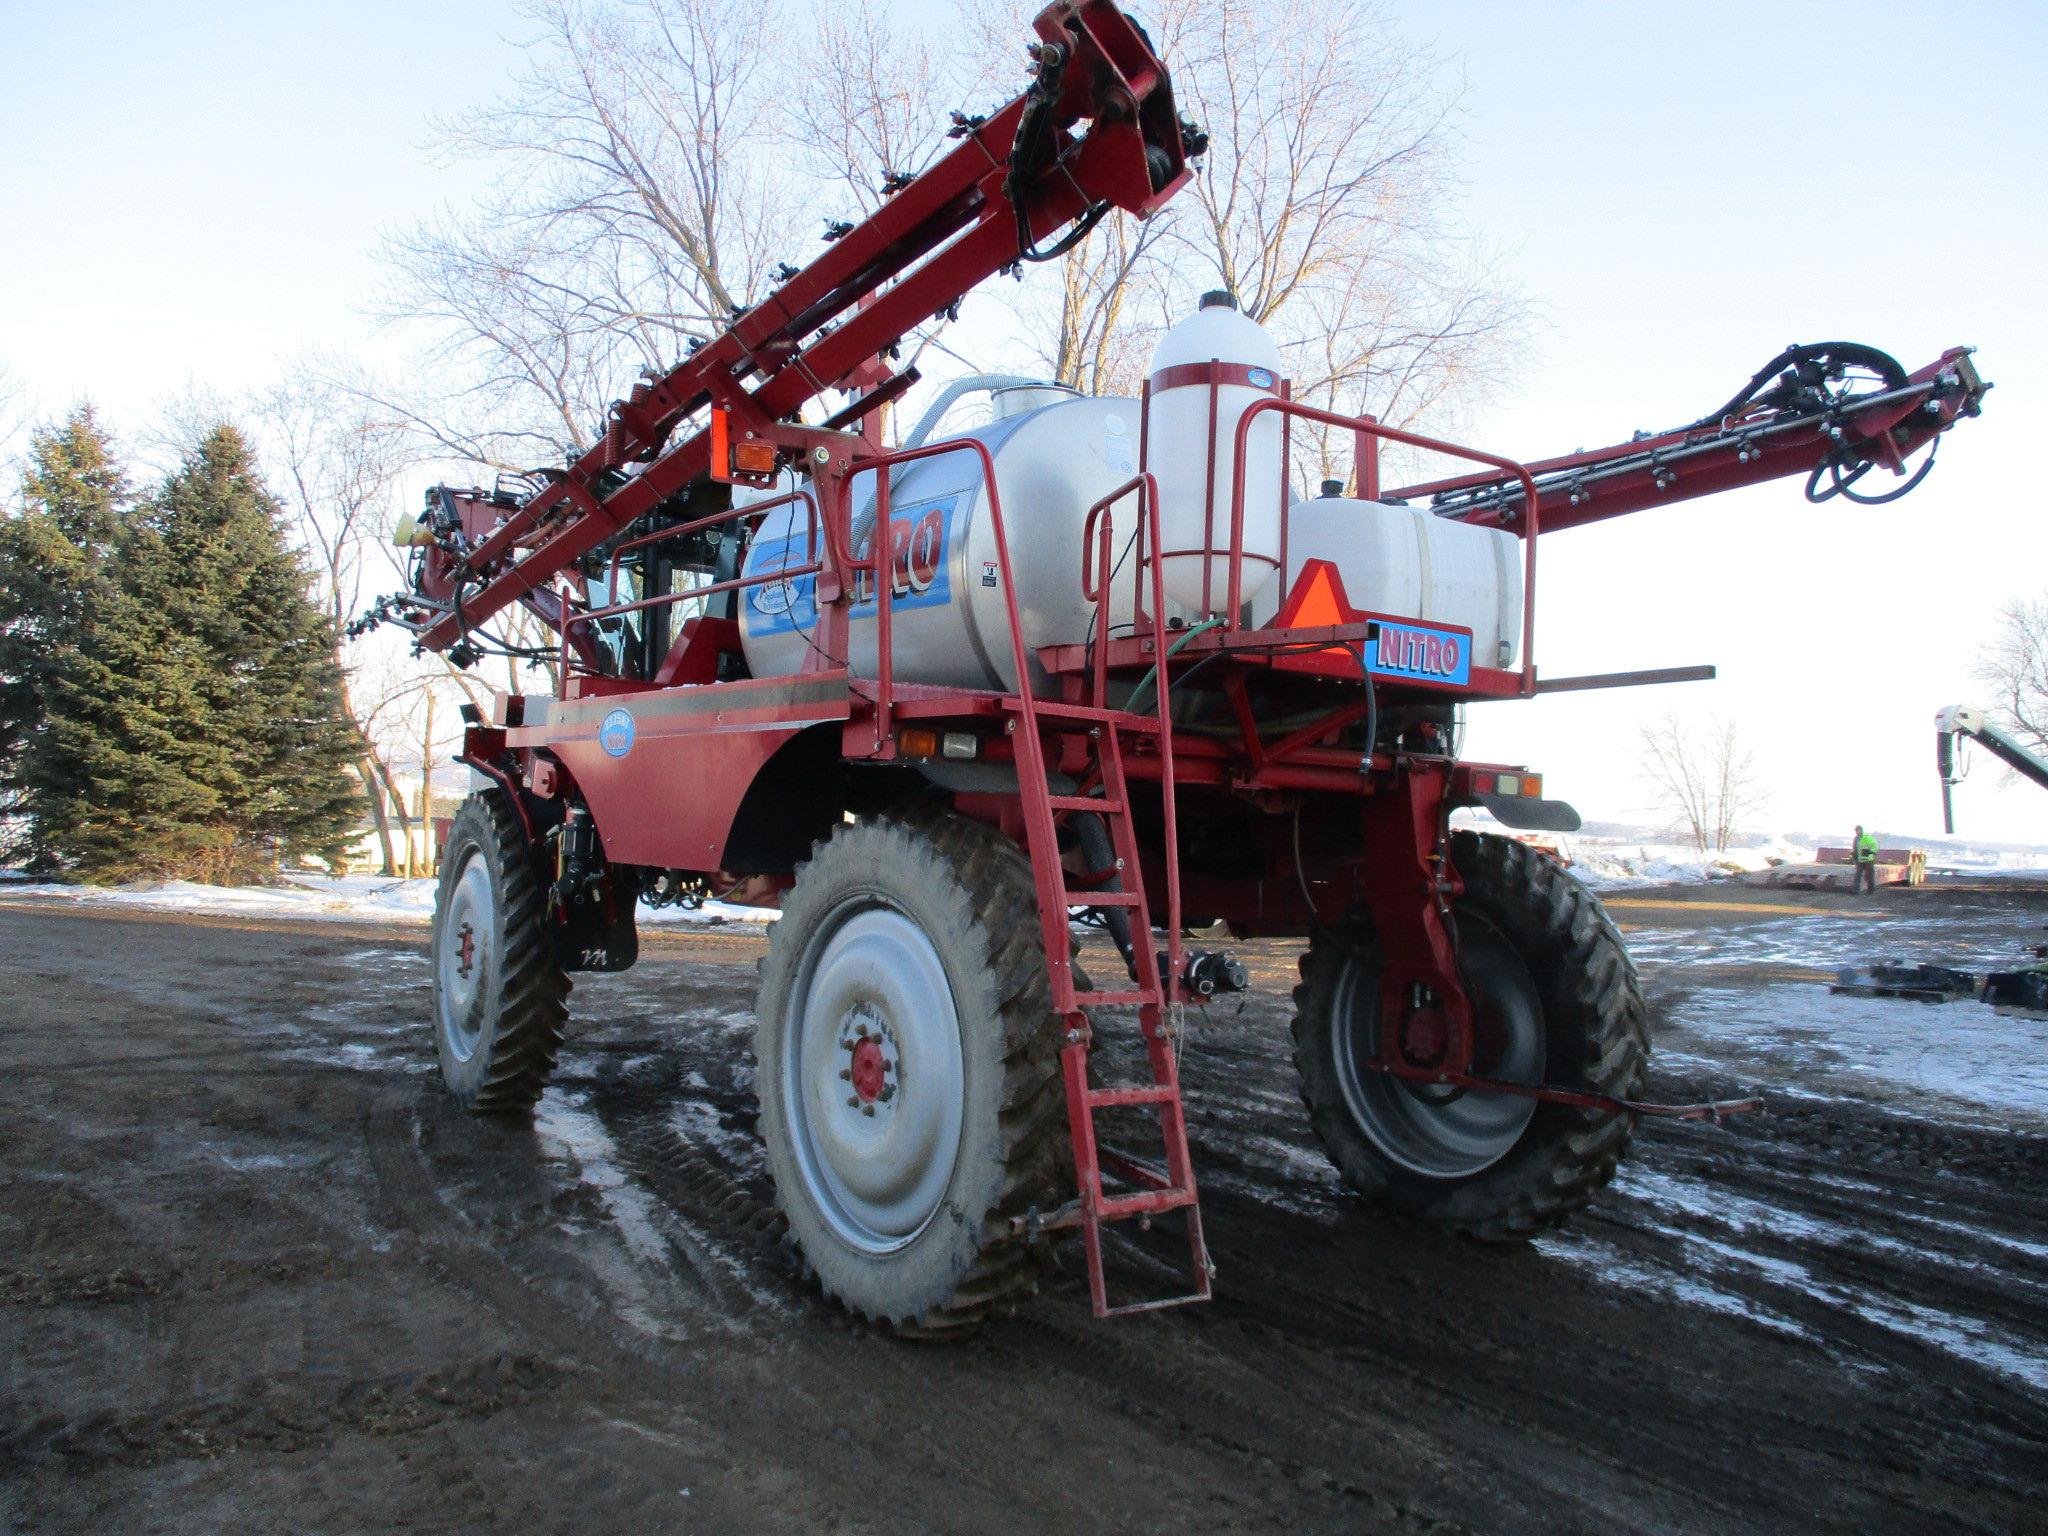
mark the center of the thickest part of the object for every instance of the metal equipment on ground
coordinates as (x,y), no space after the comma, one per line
(1094,655)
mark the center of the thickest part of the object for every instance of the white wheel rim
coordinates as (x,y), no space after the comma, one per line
(873,1079)
(463,955)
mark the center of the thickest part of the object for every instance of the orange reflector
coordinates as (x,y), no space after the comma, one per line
(1532,786)
(747,456)
(754,458)
(917,742)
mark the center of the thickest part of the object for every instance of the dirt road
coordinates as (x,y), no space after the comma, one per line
(257,1275)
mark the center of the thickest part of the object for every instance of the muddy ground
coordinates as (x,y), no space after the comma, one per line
(256,1274)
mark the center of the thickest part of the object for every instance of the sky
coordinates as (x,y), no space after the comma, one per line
(191,196)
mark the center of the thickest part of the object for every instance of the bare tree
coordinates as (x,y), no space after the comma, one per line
(2015,668)
(1705,776)
(1324,205)
(635,204)
(871,103)
(337,469)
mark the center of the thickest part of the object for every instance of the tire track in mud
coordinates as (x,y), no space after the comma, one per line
(1241,1094)
(1353,1346)
(285,1416)
(733,1192)
(786,1355)
(751,1406)
(412,1201)
(1698,1482)
(1219,1401)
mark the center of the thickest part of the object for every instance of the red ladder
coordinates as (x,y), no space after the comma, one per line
(1156,1189)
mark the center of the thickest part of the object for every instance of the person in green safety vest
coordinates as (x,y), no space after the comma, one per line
(1866,862)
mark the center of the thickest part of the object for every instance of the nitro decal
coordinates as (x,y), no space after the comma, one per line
(615,734)
(1415,650)
(923,536)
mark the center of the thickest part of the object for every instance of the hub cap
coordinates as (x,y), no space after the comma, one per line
(1430,1128)
(873,1084)
(462,955)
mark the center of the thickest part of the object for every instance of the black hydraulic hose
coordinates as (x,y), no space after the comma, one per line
(1100,857)
(1843,484)
(1028,157)
(1853,353)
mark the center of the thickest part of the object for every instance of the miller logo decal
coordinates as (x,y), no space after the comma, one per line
(922,535)
(615,735)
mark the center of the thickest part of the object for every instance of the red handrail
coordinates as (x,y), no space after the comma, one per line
(1366,426)
(711,589)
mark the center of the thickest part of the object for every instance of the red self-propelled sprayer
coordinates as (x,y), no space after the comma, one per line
(1095,654)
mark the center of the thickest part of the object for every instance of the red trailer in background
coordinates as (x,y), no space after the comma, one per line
(1282,759)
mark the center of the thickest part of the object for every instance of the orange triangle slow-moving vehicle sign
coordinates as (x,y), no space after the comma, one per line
(1317,601)
(1397,649)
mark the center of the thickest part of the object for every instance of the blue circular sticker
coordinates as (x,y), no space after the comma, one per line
(616,734)
(1260,379)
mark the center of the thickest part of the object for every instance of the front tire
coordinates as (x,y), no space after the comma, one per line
(907,1068)
(1557,1001)
(501,1000)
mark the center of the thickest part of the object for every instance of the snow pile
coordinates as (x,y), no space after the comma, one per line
(1606,861)
(349,898)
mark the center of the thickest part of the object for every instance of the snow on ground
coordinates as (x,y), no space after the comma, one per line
(1955,1059)
(348,898)
(1607,862)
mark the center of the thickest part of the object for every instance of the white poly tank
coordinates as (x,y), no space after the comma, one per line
(1207,371)
(1409,564)
(947,610)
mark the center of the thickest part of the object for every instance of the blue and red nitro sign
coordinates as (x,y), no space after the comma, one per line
(1421,652)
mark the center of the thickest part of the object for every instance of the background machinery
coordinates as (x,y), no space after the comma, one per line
(1958,721)
(1094,654)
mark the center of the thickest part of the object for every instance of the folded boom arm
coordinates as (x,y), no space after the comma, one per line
(1013,179)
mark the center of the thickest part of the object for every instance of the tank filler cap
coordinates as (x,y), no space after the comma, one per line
(1217,298)
(1333,488)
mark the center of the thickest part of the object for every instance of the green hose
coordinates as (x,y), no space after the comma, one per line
(1171,651)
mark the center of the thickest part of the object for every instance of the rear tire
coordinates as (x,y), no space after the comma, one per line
(501,1001)
(1550,969)
(907,1069)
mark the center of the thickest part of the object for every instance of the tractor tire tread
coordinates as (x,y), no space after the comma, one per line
(1000,1266)
(1591,987)
(534,989)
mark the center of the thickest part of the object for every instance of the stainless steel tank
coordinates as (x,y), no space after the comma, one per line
(947,607)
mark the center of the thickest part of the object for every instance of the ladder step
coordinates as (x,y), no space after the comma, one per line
(1201,1293)
(1103,1098)
(1147,1202)
(1085,803)
(1102,898)
(1114,999)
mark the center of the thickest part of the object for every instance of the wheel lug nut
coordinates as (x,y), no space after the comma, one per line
(846,1074)
(867,1109)
(854,1102)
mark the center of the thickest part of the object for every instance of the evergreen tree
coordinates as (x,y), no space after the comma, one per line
(197,727)
(53,552)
